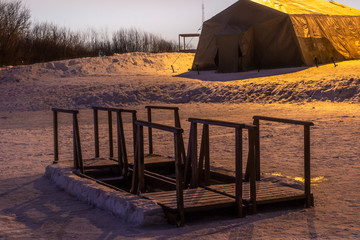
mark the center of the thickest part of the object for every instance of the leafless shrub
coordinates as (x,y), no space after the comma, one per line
(21,43)
(14,22)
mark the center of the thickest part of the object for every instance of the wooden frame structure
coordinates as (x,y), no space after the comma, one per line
(78,162)
(198,197)
(122,157)
(195,186)
(307,125)
(149,116)
(200,167)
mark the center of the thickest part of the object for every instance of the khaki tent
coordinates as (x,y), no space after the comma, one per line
(254,34)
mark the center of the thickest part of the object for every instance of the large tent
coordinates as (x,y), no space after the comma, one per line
(254,34)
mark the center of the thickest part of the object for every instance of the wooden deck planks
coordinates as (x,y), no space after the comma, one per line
(266,192)
(100,163)
(194,199)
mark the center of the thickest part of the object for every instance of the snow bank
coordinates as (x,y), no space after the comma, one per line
(131,208)
(138,78)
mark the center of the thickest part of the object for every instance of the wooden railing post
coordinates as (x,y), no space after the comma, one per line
(150,132)
(253,170)
(194,172)
(134,119)
(238,169)
(141,167)
(179,178)
(201,158)
(96,133)
(307,165)
(135,174)
(120,141)
(111,141)
(56,137)
(188,161)
(177,118)
(207,154)
(78,144)
(257,148)
(75,153)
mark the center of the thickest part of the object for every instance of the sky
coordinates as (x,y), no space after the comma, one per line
(166,18)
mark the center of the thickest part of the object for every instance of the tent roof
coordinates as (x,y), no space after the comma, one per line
(309,7)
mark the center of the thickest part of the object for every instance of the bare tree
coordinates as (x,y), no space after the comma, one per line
(14,22)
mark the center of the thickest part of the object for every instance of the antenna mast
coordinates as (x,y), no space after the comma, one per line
(203,11)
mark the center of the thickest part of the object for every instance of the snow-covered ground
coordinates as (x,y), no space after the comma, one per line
(32,207)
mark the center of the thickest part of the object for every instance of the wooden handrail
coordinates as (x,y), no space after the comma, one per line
(106,109)
(159,126)
(162,107)
(221,123)
(65,110)
(283,120)
(113,109)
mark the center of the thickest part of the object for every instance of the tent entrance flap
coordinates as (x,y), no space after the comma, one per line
(229,53)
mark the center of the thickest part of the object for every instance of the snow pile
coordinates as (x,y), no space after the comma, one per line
(131,208)
(148,63)
(136,78)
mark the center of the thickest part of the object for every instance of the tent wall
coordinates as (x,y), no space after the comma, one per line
(325,37)
(275,44)
(249,34)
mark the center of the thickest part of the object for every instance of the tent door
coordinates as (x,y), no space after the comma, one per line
(229,53)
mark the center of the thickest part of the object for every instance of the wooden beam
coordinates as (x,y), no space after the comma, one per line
(307,165)
(283,120)
(111,141)
(238,169)
(56,137)
(150,132)
(194,167)
(179,178)
(96,133)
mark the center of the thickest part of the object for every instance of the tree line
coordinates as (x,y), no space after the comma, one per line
(22,42)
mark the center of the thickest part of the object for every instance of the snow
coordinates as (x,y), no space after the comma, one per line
(33,207)
(131,208)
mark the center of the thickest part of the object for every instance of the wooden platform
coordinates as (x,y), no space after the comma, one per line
(100,163)
(151,161)
(197,199)
(266,192)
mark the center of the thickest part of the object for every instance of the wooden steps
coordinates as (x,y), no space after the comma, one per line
(266,192)
(99,163)
(197,199)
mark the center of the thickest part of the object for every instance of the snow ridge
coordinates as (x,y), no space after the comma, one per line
(137,78)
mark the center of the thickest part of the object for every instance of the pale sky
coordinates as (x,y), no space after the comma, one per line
(167,18)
